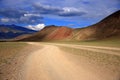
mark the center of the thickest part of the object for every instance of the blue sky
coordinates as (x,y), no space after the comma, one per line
(71,13)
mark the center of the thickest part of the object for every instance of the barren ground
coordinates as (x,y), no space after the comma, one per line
(45,61)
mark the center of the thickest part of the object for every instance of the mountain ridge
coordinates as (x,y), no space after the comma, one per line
(12,31)
(108,27)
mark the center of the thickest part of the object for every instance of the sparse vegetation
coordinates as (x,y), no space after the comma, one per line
(107,43)
(8,50)
(109,61)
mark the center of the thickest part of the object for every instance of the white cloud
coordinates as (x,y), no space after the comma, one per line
(29,15)
(7,20)
(4,20)
(70,9)
(36,27)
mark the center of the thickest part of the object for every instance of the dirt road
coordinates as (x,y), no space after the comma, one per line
(48,61)
(51,63)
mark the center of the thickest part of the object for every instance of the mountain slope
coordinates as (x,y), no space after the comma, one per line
(51,32)
(11,31)
(108,27)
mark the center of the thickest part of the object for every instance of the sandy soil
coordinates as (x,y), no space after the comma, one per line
(14,69)
(51,63)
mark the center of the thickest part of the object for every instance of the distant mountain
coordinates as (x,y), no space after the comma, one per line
(12,31)
(108,27)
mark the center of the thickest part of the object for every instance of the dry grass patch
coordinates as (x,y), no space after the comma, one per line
(109,61)
(105,43)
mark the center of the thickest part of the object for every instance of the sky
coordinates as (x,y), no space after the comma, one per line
(35,14)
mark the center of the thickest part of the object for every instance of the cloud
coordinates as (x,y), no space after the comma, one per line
(5,12)
(4,20)
(19,16)
(35,11)
(8,20)
(35,15)
(46,9)
(64,12)
(31,14)
(22,20)
(31,19)
(36,27)
(70,11)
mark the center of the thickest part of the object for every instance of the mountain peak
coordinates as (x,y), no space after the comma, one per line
(113,16)
(117,12)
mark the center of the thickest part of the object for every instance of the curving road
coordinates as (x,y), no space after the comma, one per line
(51,63)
